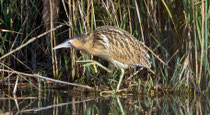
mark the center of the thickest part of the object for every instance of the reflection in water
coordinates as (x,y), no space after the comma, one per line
(64,103)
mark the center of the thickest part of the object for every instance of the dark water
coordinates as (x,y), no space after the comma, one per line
(60,102)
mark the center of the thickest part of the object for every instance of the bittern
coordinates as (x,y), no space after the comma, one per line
(113,44)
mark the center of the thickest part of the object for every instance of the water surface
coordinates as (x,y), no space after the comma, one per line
(62,102)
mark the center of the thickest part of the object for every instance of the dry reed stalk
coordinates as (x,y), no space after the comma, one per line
(139,19)
(93,16)
(170,15)
(53,17)
(114,13)
(195,38)
(65,9)
(186,62)
(129,17)
(50,15)
(202,41)
(71,33)
(84,21)
(51,40)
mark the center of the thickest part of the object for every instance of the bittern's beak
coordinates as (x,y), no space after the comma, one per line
(65,44)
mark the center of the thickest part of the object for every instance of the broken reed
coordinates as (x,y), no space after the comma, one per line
(176,31)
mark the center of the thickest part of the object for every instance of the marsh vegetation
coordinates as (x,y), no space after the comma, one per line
(175,31)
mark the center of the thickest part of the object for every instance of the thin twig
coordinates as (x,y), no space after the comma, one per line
(16,84)
(12,74)
(156,55)
(56,105)
(46,78)
(134,74)
(28,42)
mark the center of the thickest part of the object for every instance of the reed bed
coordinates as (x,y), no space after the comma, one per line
(176,31)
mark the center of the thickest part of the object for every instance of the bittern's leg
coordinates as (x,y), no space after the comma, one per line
(121,77)
(90,62)
(113,92)
(120,105)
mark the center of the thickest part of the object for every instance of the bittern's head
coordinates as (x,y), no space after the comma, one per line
(78,42)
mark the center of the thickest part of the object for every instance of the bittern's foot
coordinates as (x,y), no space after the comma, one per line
(92,62)
(118,90)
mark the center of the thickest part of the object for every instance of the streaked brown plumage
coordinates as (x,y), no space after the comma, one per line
(112,44)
